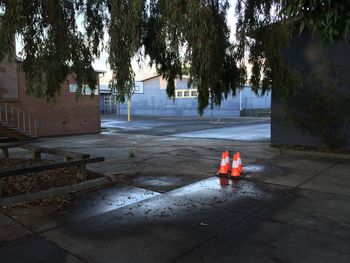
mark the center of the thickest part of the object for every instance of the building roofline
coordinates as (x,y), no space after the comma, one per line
(100,71)
(155,76)
(19,59)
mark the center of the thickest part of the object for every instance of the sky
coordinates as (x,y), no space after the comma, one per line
(145,71)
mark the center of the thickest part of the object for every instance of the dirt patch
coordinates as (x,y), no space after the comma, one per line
(38,181)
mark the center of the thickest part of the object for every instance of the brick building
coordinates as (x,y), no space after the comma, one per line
(65,116)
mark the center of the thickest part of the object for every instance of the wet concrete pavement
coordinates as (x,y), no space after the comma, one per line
(168,207)
(244,129)
(242,132)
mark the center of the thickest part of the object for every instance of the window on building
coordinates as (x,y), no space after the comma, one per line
(85,91)
(107,99)
(186,93)
(138,90)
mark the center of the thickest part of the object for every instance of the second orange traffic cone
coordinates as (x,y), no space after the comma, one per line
(239,162)
(235,170)
(228,164)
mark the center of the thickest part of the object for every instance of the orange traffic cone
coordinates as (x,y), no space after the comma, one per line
(235,170)
(228,165)
(239,161)
(223,168)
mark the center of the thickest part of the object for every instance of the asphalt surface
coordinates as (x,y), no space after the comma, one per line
(243,129)
(167,206)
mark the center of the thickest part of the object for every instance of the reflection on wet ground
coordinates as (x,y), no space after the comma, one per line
(254,168)
(192,222)
(256,132)
(127,205)
(211,193)
(160,183)
(245,129)
(105,200)
(171,222)
(239,195)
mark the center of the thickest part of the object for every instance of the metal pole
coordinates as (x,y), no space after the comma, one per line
(129,102)
(110,104)
(35,128)
(30,125)
(24,121)
(240,100)
(6,119)
(17,118)
(1,186)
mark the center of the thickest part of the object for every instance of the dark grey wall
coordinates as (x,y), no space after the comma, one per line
(307,53)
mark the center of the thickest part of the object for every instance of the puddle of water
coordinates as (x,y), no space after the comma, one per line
(217,183)
(255,168)
(107,133)
(263,171)
(106,200)
(158,181)
(219,191)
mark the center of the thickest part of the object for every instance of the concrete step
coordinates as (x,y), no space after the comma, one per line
(6,139)
(14,133)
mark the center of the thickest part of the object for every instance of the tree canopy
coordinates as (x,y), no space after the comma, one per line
(315,102)
(174,34)
(271,24)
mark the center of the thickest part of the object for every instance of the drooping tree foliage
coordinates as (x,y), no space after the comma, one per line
(53,47)
(174,35)
(265,28)
(176,38)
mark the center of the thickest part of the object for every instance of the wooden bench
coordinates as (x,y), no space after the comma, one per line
(38,150)
(80,164)
(7,145)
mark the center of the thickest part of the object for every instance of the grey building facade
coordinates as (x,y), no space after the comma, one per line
(150,98)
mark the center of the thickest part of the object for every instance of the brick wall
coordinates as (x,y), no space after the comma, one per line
(64,116)
(8,79)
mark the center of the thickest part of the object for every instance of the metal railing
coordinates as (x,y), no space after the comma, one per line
(17,118)
(109,108)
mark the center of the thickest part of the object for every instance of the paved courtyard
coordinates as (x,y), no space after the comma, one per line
(242,129)
(166,205)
